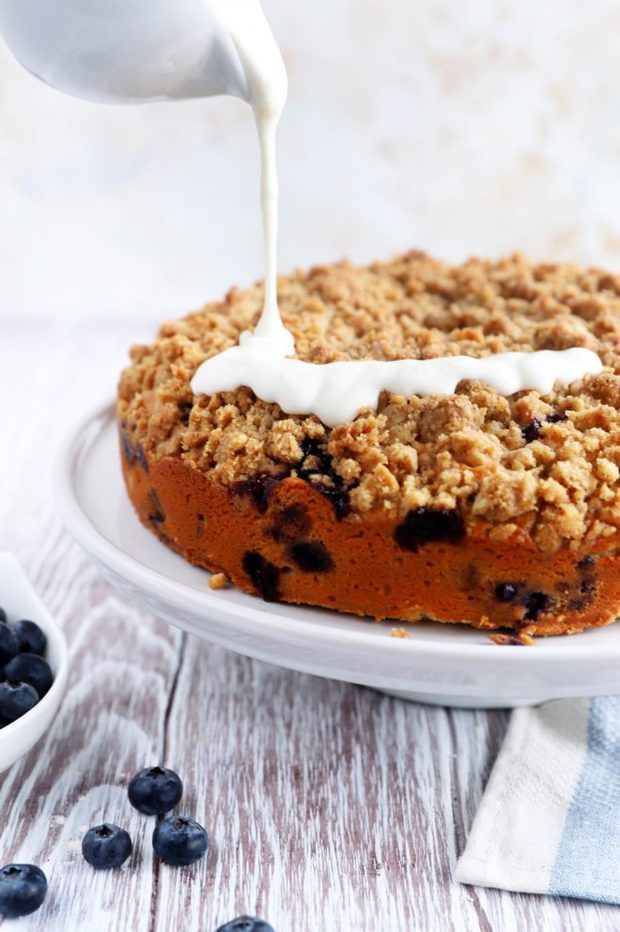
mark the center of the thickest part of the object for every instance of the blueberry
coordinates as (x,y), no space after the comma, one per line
(141,457)
(586,562)
(30,668)
(155,790)
(246,924)
(126,443)
(2,615)
(30,638)
(106,846)
(16,698)
(505,592)
(260,489)
(291,523)
(156,514)
(319,472)
(531,431)
(423,525)
(311,556)
(264,575)
(535,602)
(22,889)
(178,840)
(8,643)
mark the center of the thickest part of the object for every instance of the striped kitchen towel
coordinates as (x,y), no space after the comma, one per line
(549,820)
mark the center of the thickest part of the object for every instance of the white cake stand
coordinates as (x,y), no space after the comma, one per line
(441,664)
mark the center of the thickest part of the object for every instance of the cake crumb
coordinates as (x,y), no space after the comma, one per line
(218,581)
(399,633)
(522,639)
(505,639)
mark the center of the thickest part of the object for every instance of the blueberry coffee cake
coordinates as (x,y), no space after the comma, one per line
(475,507)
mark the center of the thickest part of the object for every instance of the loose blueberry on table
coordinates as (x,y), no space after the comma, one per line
(106,846)
(155,790)
(22,889)
(179,841)
(246,924)
(26,675)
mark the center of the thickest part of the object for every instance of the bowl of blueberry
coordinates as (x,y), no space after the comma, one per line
(33,664)
(178,841)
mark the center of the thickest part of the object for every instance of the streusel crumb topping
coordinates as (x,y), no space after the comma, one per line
(548,465)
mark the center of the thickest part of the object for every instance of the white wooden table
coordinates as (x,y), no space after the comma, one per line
(330,807)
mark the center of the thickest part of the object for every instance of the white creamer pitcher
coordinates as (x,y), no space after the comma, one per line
(116,51)
(119,51)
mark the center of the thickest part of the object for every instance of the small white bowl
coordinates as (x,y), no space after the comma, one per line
(19,600)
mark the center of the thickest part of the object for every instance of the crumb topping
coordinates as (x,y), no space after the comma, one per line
(218,581)
(546,465)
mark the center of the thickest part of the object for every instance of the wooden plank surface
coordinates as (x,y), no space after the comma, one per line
(329,806)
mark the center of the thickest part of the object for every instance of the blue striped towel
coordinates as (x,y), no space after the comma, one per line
(549,820)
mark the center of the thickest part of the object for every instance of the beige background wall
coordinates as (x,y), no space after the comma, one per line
(477,126)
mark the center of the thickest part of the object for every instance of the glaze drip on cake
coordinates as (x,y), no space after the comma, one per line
(338,391)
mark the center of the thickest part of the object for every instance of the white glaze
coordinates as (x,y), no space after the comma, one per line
(338,391)
(245,23)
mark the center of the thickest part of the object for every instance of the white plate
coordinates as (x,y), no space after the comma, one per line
(19,600)
(445,664)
